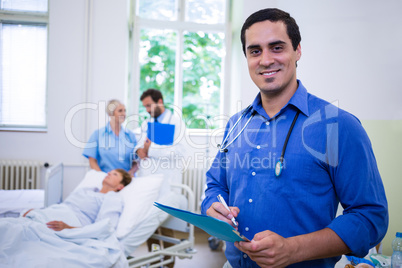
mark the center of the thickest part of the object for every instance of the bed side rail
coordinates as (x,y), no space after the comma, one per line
(182,248)
(54,184)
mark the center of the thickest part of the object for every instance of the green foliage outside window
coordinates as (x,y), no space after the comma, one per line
(202,72)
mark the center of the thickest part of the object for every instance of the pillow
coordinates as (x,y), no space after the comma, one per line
(138,196)
(93,178)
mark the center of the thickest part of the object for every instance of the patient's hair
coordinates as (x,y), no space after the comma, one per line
(126,177)
(111,106)
(153,93)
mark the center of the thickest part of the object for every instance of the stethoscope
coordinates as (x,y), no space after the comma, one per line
(223,147)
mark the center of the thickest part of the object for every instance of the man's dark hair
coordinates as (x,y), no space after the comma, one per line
(273,15)
(155,94)
(126,178)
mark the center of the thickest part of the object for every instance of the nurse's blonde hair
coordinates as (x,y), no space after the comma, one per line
(111,106)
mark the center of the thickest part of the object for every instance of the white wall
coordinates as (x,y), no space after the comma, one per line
(350,53)
(86,63)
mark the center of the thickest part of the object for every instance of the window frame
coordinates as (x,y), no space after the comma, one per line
(28,18)
(136,23)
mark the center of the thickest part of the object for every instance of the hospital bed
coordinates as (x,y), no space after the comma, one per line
(138,221)
(12,202)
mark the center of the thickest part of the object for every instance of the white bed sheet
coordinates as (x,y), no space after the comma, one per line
(12,202)
(28,243)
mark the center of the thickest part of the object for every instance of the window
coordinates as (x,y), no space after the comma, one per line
(23,59)
(179,48)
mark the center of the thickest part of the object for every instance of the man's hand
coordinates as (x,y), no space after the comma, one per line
(218,211)
(146,145)
(143,152)
(269,249)
(134,168)
(58,225)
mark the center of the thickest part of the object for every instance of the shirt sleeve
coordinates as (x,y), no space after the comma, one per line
(360,190)
(91,147)
(216,180)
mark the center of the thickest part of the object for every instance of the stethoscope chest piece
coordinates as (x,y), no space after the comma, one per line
(278,168)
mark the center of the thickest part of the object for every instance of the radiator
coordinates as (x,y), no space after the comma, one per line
(195,179)
(20,174)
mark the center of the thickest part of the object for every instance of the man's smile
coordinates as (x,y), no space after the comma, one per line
(269,73)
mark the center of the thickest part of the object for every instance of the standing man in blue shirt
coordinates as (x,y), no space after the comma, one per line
(296,158)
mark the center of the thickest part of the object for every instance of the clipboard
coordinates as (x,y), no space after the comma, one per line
(212,226)
(162,134)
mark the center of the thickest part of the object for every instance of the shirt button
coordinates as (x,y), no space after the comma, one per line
(253,173)
(267,123)
(258,147)
(245,256)
(246,229)
(250,200)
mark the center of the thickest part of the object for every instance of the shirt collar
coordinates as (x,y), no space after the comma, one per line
(298,100)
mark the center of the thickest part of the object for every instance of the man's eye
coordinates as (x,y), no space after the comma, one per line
(277,48)
(254,52)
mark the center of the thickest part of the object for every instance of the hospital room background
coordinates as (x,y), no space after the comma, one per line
(351,55)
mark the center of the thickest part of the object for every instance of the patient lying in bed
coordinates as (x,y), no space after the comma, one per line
(86,205)
(29,241)
(93,245)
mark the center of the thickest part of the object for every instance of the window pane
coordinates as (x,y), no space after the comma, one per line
(157,60)
(207,11)
(23,75)
(158,9)
(24,5)
(202,75)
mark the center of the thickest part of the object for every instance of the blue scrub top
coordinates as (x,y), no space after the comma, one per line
(109,150)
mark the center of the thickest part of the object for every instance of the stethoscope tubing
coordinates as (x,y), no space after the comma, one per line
(223,147)
(279,165)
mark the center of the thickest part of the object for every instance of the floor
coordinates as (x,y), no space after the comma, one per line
(205,257)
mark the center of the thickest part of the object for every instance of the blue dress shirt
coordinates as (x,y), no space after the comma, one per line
(328,160)
(109,150)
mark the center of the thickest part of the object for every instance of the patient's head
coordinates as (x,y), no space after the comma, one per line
(116,180)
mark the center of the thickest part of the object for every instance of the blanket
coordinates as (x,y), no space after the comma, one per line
(28,243)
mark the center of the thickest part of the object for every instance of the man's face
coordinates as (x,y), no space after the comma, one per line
(113,180)
(153,108)
(270,57)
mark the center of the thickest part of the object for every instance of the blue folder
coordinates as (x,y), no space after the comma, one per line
(162,134)
(212,226)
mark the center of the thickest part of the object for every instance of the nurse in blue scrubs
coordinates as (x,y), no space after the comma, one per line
(111,147)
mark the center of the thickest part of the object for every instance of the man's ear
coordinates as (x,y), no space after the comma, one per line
(119,187)
(160,101)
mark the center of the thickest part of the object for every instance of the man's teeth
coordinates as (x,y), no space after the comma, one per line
(270,73)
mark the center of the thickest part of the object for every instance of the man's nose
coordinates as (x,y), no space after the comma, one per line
(266,58)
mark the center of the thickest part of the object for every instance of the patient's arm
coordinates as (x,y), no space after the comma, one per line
(58,225)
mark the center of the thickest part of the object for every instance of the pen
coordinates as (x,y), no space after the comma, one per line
(222,201)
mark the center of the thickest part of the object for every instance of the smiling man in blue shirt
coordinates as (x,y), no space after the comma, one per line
(296,159)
